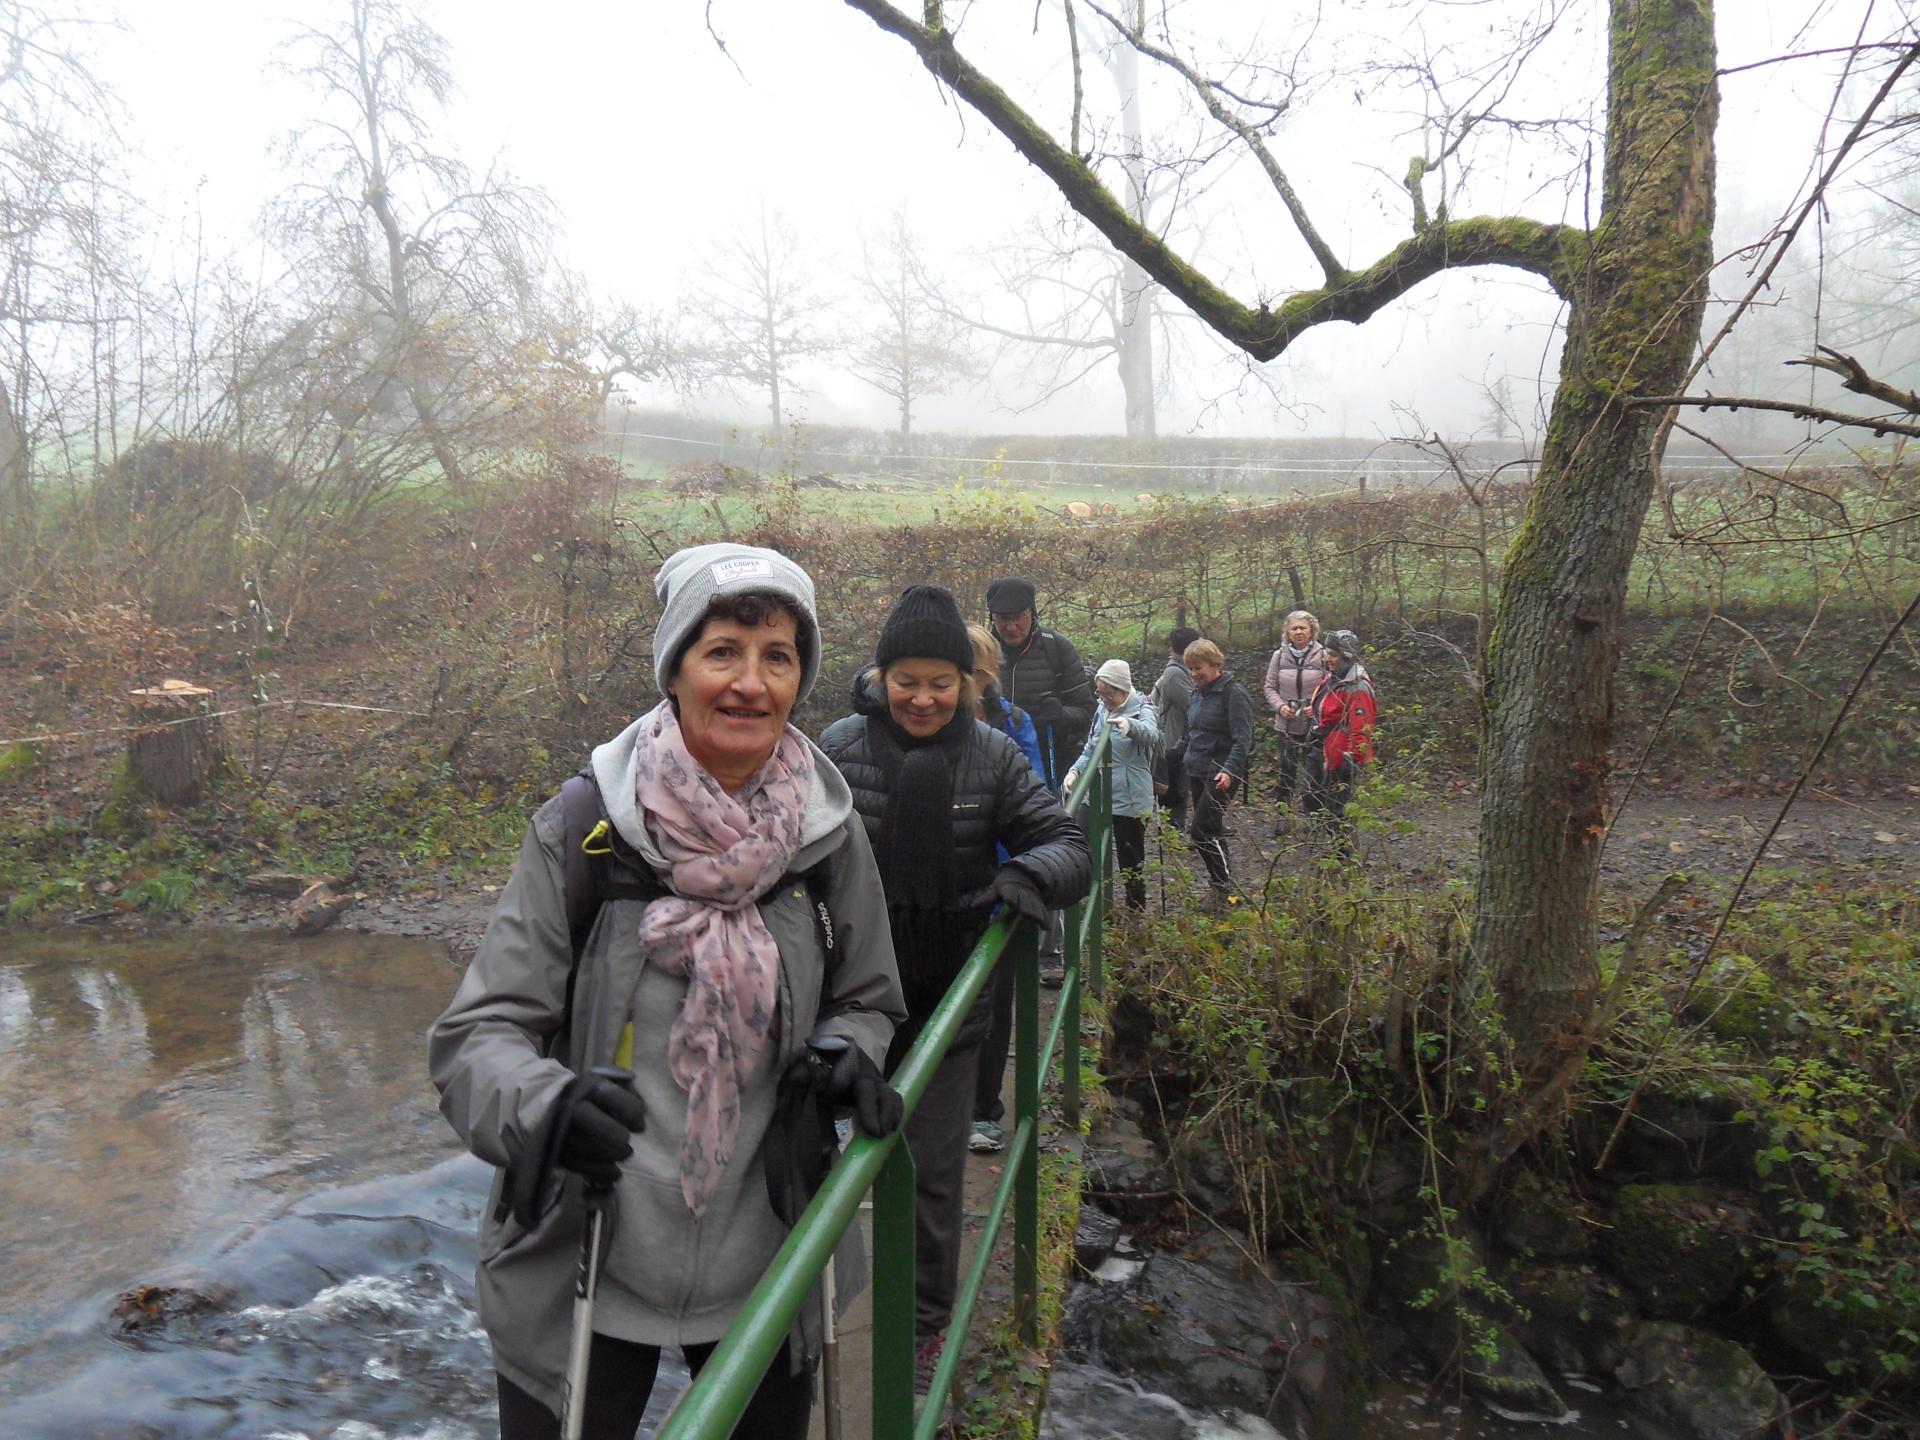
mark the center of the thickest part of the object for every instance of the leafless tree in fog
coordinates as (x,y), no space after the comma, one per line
(909,347)
(762,314)
(429,268)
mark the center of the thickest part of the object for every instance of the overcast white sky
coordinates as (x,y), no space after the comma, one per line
(648,140)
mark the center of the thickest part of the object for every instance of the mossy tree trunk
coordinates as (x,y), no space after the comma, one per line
(1634,321)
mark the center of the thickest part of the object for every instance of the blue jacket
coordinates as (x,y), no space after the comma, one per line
(1132,754)
(1003,715)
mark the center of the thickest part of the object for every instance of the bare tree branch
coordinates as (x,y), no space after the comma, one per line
(1554,252)
(1853,376)
(1820,414)
(1249,135)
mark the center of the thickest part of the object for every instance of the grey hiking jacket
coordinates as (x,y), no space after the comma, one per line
(669,1279)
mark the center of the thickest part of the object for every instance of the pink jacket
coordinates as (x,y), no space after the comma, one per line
(1290,683)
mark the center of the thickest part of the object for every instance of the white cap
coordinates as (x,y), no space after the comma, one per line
(1116,673)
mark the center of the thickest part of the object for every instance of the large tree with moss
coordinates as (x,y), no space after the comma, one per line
(1633,282)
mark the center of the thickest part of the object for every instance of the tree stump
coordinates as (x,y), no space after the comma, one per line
(178,743)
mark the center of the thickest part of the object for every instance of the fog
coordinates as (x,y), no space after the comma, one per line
(654,137)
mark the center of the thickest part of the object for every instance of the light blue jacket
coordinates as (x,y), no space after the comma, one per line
(1132,754)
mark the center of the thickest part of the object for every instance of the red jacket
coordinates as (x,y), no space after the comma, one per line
(1344,713)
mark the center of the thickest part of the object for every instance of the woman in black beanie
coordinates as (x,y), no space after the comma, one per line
(938,791)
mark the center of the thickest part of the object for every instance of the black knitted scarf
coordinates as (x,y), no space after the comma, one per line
(917,867)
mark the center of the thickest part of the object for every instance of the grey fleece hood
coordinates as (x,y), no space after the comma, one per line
(828,805)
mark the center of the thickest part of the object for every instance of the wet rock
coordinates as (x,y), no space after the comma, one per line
(1205,1177)
(1575,1320)
(1124,1172)
(1440,1288)
(1499,1371)
(1094,1238)
(155,1309)
(1538,1220)
(1320,1388)
(1704,1386)
(1198,1327)
(1682,1249)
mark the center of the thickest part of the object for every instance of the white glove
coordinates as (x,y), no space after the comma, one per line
(1073,777)
(1122,726)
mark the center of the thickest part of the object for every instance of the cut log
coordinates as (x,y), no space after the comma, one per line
(285,884)
(317,908)
(177,744)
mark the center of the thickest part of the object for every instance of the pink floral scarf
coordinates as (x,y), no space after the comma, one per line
(723,850)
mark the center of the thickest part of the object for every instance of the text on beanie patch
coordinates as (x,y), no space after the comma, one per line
(747,567)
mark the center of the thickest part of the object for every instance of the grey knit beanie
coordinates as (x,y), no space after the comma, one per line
(691,578)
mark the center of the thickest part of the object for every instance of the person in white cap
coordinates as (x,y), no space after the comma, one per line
(1125,713)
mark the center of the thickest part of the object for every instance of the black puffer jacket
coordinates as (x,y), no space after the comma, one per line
(997,799)
(1047,679)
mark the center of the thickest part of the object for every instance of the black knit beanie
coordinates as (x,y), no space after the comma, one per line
(926,624)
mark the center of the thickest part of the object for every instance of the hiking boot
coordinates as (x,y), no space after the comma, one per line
(1053,972)
(987,1137)
(926,1359)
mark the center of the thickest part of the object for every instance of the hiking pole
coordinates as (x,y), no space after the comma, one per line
(586,1280)
(826,1050)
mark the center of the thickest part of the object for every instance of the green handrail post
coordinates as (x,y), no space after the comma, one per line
(1026,1110)
(893,1305)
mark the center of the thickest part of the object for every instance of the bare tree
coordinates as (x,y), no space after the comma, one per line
(61,281)
(762,314)
(607,341)
(432,268)
(910,348)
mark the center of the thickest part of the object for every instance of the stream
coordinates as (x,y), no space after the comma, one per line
(231,1209)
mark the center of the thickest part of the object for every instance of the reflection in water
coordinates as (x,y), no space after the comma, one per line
(156,1091)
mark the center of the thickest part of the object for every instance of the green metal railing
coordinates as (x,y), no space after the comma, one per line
(712,1406)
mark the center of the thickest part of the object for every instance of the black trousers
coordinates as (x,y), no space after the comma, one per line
(1209,832)
(990,1073)
(937,1139)
(1296,779)
(1130,849)
(620,1376)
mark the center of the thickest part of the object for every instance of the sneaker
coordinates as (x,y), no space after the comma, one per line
(1053,973)
(987,1138)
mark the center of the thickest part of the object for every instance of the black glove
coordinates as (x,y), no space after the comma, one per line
(600,1131)
(1015,889)
(851,1079)
(1045,709)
